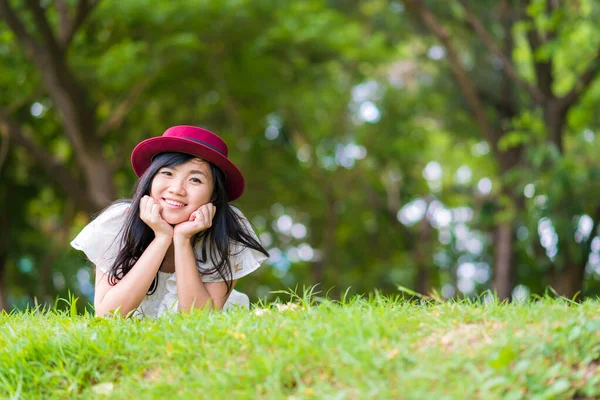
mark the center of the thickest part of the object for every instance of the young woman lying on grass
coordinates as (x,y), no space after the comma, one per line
(178,244)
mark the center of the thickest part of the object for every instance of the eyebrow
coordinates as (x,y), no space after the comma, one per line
(191,172)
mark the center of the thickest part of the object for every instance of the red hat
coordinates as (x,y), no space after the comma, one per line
(195,141)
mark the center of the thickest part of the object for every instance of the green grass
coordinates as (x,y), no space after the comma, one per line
(362,348)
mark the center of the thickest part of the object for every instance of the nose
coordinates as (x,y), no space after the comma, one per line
(177,187)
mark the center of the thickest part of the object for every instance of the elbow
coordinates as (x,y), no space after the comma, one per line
(99,311)
(104,312)
(208,305)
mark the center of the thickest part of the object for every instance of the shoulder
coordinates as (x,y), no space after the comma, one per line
(244,222)
(237,212)
(106,224)
(97,240)
(114,211)
(114,215)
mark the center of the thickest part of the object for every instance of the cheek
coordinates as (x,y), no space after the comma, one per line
(154,190)
(157,189)
(202,196)
(210,194)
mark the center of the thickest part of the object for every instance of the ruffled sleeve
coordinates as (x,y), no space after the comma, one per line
(100,240)
(243,259)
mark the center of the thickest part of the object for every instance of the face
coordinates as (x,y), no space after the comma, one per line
(181,189)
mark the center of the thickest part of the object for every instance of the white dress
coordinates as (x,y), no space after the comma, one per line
(100,241)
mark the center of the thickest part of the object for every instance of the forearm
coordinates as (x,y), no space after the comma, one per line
(129,292)
(190,288)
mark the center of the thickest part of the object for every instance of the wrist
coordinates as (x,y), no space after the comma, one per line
(163,238)
(182,239)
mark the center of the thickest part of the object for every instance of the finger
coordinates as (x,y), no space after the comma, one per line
(205,214)
(144,212)
(210,210)
(208,214)
(155,212)
(152,204)
(150,200)
(148,204)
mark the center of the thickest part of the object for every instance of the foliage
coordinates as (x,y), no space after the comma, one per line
(337,112)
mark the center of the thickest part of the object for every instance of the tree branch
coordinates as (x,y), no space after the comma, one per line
(63,19)
(552,5)
(84,8)
(32,48)
(69,97)
(54,168)
(117,116)
(543,70)
(510,70)
(3,148)
(583,82)
(39,16)
(507,88)
(501,105)
(465,83)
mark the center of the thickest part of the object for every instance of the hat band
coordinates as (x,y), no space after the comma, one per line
(207,145)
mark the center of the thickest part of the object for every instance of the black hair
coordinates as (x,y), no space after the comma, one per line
(217,241)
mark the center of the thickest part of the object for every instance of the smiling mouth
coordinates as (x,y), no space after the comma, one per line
(174,203)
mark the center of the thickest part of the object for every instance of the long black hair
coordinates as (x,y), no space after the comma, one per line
(217,241)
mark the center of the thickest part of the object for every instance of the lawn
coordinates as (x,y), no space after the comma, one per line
(377,348)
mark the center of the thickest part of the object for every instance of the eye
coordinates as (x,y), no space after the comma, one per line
(195,180)
(166,173)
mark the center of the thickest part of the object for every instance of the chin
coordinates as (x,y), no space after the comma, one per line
(176,221)
(172,220)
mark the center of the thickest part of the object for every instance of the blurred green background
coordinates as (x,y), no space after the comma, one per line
(445,146)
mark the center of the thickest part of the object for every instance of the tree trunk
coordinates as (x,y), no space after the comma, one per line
(503,281)
(99,181)
(78,116)
(3,299)
(46,286)
(569,280)
(423,257)
(554,118)
(71,99)
(423,280)
(3,256)
(319,267)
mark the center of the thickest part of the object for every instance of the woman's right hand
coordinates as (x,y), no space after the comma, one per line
(150,213)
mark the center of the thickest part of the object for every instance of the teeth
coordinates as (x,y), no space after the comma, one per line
(174,203)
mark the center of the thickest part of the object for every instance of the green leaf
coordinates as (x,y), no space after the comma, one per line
(502,358)
(513,139)
(558,387)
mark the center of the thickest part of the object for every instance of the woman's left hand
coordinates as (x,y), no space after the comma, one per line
(199,220)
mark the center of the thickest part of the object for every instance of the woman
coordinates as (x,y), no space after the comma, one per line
(177,244)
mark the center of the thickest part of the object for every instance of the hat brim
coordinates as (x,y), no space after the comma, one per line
(142,155)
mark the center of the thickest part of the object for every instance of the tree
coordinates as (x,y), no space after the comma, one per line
(48,49)
(546,26)
(230,66)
